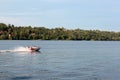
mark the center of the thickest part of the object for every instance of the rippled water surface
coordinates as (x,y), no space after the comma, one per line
(60,60)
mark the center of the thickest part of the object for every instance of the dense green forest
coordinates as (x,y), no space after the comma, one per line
(11,32)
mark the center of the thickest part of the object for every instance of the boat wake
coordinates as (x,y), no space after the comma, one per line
(17,49)
(21,49)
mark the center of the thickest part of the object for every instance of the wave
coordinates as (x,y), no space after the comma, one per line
(17,49)
(21,49)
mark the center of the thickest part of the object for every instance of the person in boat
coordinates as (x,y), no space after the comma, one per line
(34,48)
(29,47)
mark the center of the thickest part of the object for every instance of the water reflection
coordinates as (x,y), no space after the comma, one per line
(21,77)
(29,52)
(62,60)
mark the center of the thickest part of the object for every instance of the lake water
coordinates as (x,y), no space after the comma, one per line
(60,60)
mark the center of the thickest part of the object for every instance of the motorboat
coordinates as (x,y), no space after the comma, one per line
(33,48)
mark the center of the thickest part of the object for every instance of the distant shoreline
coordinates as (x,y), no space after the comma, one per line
(11,32)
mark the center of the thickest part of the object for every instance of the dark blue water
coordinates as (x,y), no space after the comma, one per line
(61,60)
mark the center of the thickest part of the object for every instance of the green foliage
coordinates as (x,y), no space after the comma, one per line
(12,32)
(3,27)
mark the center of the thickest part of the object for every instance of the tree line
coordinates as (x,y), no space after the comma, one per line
(11,32)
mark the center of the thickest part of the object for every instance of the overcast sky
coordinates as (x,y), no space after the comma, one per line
(70,14)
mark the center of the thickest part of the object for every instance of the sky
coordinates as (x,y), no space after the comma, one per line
(70,14)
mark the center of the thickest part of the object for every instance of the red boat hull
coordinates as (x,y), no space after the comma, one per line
(34,48)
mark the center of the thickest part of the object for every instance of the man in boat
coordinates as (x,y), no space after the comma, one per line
(34,48)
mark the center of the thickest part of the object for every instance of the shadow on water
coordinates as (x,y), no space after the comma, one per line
(34,52)
(23,52)
(21,78)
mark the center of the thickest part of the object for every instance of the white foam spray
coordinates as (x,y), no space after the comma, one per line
(17,49)
(21,49)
